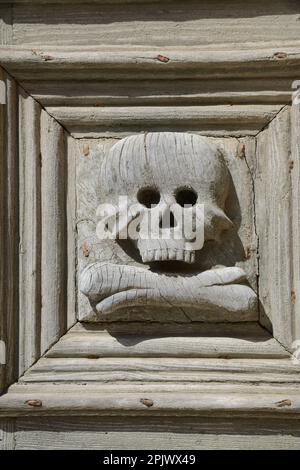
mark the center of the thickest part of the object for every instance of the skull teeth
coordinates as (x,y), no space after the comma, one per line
(149,256)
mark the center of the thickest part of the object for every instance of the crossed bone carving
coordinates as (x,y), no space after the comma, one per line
(111,287)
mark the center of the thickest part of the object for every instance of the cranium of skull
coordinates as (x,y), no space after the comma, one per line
(168,175)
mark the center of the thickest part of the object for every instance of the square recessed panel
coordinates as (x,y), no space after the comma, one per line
(238,247)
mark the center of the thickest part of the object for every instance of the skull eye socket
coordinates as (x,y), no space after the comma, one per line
(186,196)
(149,197)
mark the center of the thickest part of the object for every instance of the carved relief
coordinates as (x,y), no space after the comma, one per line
(166,179)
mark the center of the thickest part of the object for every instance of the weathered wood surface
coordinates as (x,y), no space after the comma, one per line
(259,74)
(295,216)
(178,399)
(124,62)
(9,236)
(24,201)
(7,437)
(167,340)
(6,27)
(71,236)
(163,370)
(153,433)
(241,251)
(115,289)
(88,155)
(137,92)
(169,23)
(168,162)
(236,153)
(149,433)
(30,231)
(272,186)
(11,224)
(54,228)
(207,120)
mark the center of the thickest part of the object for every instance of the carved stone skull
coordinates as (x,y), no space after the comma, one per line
(163,172)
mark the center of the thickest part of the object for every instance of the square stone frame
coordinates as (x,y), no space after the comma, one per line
(48,102)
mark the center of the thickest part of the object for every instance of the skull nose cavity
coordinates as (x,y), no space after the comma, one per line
(167,220)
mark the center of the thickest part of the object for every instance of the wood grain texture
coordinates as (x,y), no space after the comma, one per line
(177,399)
(170,160)
(245,156)
(166,340)
(22,205)
(206,120)
(163,370)
(125,62)
(273,221)
(169,23)
(6,27)
(295,216)
(236,152)
(156,433)
(11,224)
(30,230)
(7,436)
(54,230)
(88,155)
(240,250)
(116,289)
(137,92)
(214,374)
(71,210)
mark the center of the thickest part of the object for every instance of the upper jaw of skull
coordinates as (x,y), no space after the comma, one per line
(165,250)
(169,232)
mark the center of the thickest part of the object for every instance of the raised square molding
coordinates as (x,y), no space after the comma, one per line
(55,99)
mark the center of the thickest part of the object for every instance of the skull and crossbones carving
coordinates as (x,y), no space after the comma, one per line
(167,173)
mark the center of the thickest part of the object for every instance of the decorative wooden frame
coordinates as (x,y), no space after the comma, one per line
(49,101)
(35,191)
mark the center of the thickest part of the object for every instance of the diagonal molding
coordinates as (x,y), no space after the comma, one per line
(110,91)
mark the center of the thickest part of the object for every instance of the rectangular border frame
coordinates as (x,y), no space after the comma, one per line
(106,63)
